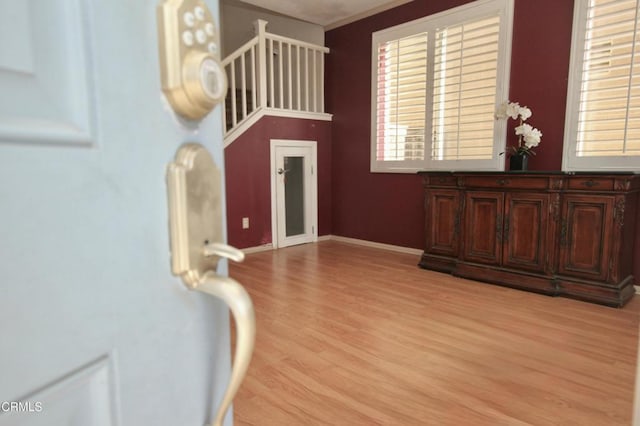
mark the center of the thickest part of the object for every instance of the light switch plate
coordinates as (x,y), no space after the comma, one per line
(195,212)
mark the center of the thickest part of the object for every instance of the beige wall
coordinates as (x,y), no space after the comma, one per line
(237,26)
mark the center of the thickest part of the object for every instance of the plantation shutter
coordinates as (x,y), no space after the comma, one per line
(435,85)
(609,107)
(465,76)
(401,99)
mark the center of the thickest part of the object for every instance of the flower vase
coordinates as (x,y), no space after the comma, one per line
(518,163)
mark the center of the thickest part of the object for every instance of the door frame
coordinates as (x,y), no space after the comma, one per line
(311,216)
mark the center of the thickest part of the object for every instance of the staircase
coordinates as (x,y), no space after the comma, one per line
(273,75)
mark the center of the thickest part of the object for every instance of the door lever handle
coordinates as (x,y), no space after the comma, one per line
(239,302)
(194,189)
(223,250)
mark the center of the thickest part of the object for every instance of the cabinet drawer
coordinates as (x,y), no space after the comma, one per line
(443,180)
(586,183)
(507,181)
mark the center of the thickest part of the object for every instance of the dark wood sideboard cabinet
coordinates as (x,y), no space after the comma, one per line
(554,233)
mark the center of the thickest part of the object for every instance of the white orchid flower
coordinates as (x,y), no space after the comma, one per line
(529,137)
(524,113)
(524,129)
(533,138)
(513,110)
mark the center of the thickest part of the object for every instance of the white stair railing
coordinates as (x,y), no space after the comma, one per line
(273,73)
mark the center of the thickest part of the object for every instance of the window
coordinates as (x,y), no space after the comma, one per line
(436,82)
(602,129)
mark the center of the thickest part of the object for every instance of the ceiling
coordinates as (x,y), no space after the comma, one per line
(327,13)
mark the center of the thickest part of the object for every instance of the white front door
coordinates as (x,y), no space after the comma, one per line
(294,192)
(95,329)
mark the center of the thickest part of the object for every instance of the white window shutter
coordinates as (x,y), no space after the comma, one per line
(464,101)
(436,82)
(401,99)
(603,103)
(609,120)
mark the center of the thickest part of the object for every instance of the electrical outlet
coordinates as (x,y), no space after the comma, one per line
(245,223)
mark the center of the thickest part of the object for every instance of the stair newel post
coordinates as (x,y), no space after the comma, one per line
(260,27)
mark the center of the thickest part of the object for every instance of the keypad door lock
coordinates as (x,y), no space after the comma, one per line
(192,78)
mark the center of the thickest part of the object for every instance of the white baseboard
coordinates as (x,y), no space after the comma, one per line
(373,244)
(265,247)
(383,246)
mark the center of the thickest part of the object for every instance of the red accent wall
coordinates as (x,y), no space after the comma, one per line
(540,71)
(248,181)
(385,207)
(388,208)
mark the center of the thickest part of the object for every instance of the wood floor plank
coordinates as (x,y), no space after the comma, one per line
(350,335)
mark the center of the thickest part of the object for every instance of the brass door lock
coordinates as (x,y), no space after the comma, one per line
(192,78)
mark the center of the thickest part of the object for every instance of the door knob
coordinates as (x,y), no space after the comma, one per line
(195,224)
(282,171)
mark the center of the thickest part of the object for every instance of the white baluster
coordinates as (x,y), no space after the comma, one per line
(289,75)
(243,70)
(234,116)
(253,79)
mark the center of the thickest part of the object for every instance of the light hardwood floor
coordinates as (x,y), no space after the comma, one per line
(349,335)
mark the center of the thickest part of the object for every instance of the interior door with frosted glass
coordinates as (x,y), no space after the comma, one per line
(295,195)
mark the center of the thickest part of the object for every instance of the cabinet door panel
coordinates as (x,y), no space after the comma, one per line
(525,231)
(483,227)
(442,222)
(585,236)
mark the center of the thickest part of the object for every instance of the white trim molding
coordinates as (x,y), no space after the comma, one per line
(346,240)
(255,117)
